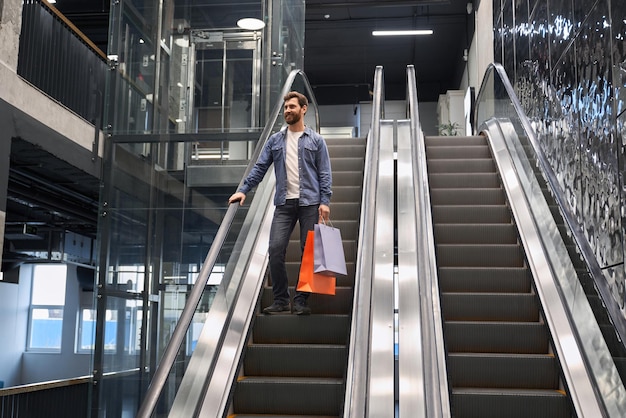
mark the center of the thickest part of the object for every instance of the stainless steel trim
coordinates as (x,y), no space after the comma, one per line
(412,393)
(435,379)
(380,402)
(358,350)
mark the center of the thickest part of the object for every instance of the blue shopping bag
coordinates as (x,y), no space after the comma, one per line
(328,255)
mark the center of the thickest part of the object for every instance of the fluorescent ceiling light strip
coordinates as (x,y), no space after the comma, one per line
(402,32)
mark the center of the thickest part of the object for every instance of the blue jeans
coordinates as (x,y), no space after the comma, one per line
(285,217)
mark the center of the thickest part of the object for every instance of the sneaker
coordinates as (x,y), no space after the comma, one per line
(276,308)
(300,309)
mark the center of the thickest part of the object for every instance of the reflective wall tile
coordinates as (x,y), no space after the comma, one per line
(599,167)
(521,35)
(562,27)
(618,26)
(539,39)
(498,34)
(497,10)
(508,39)
(573,92)
(620,131)
(562,138)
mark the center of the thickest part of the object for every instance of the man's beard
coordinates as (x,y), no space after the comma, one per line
(292,118)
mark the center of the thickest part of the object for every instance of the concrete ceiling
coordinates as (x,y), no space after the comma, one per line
(340,53)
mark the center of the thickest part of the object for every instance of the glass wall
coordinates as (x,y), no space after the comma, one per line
(187,98)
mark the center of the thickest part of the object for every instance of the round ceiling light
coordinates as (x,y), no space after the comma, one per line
(250,23)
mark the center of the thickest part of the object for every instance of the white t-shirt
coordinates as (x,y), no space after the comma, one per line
(292,166)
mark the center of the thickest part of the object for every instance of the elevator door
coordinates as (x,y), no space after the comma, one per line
(227,74)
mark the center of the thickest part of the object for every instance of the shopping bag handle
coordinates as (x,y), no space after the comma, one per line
(329,222)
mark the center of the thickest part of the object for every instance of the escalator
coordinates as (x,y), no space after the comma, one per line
(500,360)
(296,365)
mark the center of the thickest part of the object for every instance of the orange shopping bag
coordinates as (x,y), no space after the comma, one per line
(309,281)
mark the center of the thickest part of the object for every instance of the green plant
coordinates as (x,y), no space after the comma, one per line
(449,129)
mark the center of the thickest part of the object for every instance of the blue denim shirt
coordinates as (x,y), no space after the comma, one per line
(314,166)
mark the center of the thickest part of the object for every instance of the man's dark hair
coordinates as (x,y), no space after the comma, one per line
(302,100)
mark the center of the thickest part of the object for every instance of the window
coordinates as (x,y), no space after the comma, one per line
(131,328)
(46,307)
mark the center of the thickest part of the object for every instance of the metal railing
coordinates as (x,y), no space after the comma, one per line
(58,59)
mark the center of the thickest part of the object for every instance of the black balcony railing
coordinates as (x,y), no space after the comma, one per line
(59,60)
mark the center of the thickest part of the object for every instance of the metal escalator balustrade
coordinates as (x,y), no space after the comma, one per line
(370,371)
(422,385)
(500,361)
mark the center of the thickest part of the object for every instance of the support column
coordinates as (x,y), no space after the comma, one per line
(10,27)
(5,153)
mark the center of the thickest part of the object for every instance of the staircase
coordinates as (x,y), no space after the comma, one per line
(499,357)
(296,365)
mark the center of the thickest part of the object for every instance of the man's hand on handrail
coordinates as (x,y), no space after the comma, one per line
(237,197)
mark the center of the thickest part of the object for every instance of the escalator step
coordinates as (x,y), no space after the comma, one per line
(515,307)
(294,329)
(504,233)
(434,141)
(496,337)
(457,152)
(473,214)
(342,151)
(478,165)
(484,255)
(346,194)
(450,196)
(284,396)
(464,181)
(347,164)
(341,142)
(484,279)
(525,371)
(345,210)
(293,360)
(340,303)
(510,403)
(347,178)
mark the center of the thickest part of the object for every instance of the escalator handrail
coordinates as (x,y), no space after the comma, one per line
(577,233)
(437,401)
(178,336)
(357,376)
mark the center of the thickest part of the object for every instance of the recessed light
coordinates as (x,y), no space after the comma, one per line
(402,32)
(250,23)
